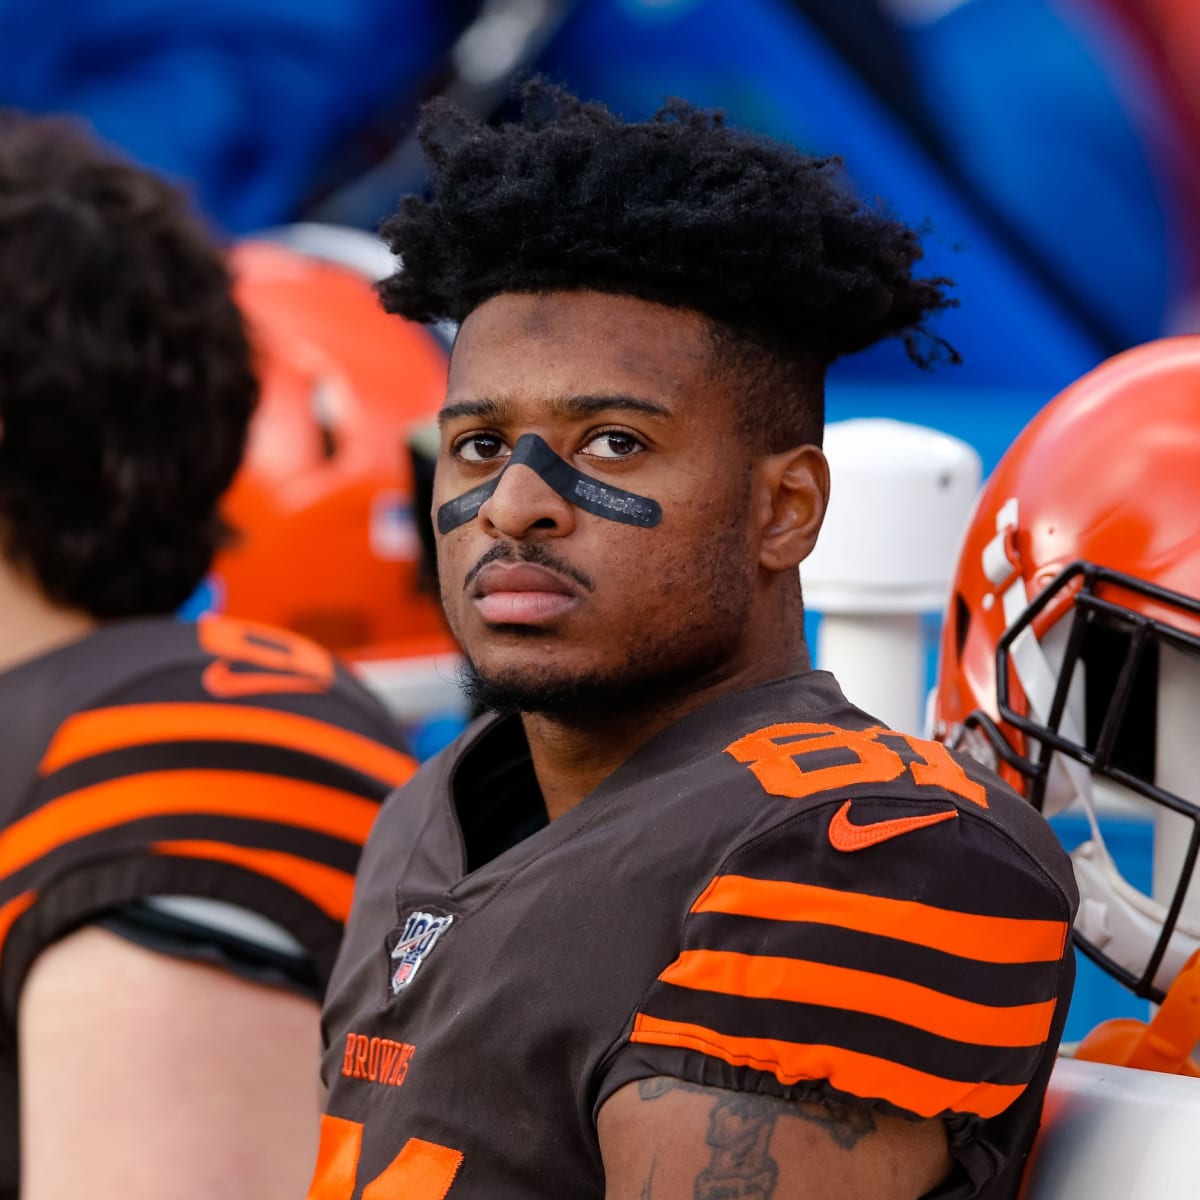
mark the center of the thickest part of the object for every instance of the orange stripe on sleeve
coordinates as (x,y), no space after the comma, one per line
(763,977)
(984,939)
(328,888)
(106,729)
(846,1070)
(236,794)
(11,911)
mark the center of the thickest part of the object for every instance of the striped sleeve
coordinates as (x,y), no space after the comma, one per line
(925,973)
(264,807)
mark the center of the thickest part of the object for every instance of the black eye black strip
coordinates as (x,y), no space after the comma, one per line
(582,490)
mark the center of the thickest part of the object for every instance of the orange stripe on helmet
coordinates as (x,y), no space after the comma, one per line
(848,1071)
(762,977)
(967,935)
(242,795)
(123,726)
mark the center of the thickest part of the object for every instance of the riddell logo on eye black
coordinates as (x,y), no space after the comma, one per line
(623,504)
(377,1060)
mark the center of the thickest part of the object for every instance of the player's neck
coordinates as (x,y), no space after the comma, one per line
(572,757)
(32,624)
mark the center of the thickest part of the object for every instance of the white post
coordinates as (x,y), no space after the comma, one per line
(879,660)
(901,496)
(1177,769)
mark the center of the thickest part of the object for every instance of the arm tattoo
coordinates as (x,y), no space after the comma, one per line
(739,1131)
(648,1186)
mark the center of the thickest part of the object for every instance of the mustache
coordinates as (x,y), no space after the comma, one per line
(534,553)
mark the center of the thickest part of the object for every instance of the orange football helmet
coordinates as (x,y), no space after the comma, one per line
(1070,656)
(326,543)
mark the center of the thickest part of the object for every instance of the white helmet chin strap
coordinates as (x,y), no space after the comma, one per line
(1124,923)
(1114,916)
(1068,780)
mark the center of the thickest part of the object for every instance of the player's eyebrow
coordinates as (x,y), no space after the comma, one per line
(482,410)
(586,406)
(499,411)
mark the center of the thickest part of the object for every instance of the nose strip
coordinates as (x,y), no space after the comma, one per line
(601,499)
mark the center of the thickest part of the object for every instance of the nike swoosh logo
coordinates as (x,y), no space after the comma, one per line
(846,836)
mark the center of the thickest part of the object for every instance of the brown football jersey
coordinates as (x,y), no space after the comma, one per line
(159,758)
(775,894)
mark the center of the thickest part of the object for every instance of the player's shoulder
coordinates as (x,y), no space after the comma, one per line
(215,658)
(41,694)
(146,686)
(875,909)
(223,660)
(803,781)
(77,674)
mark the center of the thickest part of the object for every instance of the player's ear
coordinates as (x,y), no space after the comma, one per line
(795,494)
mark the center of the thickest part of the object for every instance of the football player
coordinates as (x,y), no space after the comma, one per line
(1069,652)
(183,804)
(676,919)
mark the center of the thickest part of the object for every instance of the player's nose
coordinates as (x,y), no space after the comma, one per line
(523,502)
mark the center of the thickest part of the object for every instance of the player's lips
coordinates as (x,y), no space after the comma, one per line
(521,594)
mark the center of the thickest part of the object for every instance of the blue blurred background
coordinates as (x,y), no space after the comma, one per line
(1049,147)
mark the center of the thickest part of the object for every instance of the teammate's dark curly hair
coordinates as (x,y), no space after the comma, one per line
(768,243)
(126,382)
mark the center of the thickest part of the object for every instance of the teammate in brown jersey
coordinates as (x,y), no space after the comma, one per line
(182,806)
(677,920)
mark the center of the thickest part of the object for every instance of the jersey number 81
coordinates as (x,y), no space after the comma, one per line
(421,1171)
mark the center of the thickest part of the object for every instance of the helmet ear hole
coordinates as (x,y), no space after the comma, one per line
(323,405)
(1106,646)
(962,623)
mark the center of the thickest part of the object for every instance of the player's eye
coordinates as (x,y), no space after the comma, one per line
(613,443)
(479,447)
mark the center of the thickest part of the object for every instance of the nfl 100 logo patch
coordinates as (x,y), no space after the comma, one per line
(417,938)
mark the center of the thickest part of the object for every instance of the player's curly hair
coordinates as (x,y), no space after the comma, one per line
(126,382)
(768,243)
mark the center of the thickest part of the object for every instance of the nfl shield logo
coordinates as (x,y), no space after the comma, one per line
(417,939)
